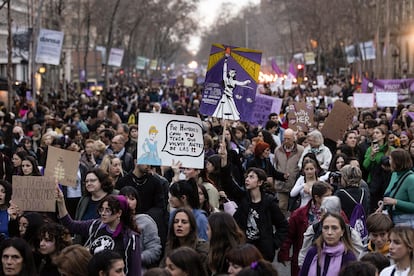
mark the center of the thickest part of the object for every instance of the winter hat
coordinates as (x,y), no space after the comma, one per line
(260,148)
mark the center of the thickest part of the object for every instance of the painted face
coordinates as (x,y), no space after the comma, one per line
(116,167)
(12,261)
(340,162)
(47,245)
(351,140)
(181,225)
(174,201)
(23,224)
(117,268)
(2,195)
(152,136)
(379,239)
(234,269)
(173,269)
(332,231)
(92,183)
(398,249)
(27,167)
(252,181)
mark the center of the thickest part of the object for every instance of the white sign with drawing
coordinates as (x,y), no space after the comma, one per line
(163,138)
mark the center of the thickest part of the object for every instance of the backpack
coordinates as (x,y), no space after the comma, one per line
(358,218)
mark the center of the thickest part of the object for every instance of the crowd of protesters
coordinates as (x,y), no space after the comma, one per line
(267,193)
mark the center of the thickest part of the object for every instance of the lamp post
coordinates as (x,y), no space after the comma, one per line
(395,56)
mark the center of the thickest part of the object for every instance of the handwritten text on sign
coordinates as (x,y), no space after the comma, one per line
(182,139)
(34,193)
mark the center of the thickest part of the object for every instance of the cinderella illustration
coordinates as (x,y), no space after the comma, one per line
(226,108)
(149,147)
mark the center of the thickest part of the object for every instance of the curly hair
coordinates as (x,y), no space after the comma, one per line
(57,233)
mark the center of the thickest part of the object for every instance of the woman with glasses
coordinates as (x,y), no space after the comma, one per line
(98,184)
(115,229)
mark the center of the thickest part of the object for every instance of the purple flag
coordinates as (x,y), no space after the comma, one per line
(411,114)
(292,70)
(276,68)
(404,87)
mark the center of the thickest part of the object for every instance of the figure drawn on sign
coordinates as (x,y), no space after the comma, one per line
(226,108)
(150,149)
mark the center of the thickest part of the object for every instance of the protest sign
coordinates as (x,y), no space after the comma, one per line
(231,82)
(300,116)
(263,106)
(49,47)
(404,87)
(363,100)
(62,165)
(115,57)
(34,193)
(385,99)
(163,138)
(338,121)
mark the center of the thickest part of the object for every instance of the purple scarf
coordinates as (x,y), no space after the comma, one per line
(335,252)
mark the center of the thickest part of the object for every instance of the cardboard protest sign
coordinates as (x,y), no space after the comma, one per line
(385,99)
(163,138)
(263,106)
(300,116)
(363,100)
(338,121)
(231,82)
(34,193)
(62,165)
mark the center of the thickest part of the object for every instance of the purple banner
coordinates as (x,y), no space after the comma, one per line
(263,106)
(404,87)
(231,82)
(276,68)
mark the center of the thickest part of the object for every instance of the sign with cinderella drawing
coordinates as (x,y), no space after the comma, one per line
(231,82)
(163,138)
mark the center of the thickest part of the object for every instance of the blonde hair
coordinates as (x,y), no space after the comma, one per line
(152,129)
(351,175)
(73,260)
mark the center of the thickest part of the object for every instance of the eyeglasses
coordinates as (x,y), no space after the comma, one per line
(91,180)
(102,211)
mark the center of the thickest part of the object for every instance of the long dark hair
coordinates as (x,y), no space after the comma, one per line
(173,241)
(186,188)
(25,251)
(35,168)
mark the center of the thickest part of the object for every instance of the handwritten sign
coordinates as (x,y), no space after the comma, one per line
(34,193)
(300,116)
(62,165)
(338,121)
(363,100)
(263,106)
(385,99)
(164,138)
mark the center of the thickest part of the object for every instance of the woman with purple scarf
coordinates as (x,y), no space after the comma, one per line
(115,230)
(331,251)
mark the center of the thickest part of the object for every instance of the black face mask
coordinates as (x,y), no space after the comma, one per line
(16,136)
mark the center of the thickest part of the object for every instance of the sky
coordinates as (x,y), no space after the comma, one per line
(208,10)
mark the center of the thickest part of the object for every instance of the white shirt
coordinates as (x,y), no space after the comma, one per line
(388,271)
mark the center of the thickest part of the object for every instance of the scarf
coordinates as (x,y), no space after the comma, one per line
(384,250)
(315,214)
(334,256)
